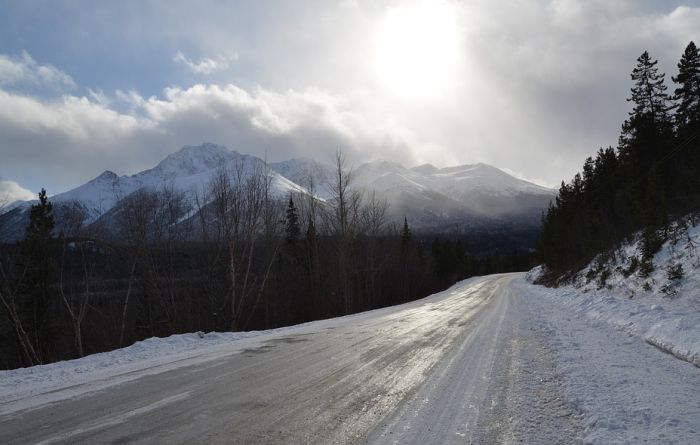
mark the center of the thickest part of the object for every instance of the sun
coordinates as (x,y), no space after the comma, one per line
(416,49)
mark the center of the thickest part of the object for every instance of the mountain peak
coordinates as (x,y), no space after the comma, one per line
(107,175)
(425,169)
(204,146)
(193,159)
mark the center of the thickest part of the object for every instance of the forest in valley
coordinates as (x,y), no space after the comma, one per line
(651,178)
(233,258)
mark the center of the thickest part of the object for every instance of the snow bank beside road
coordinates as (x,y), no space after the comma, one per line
(623,390)
(24,382)
(663,308)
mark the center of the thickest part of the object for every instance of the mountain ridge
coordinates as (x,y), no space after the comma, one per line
(428,195)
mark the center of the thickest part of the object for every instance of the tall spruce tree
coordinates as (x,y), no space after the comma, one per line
(41,221)
(687,120)
(35,260)
(405,233)
(37,240)
(687,94)
(649,91)
(649,119)
(292,223)
(647,136)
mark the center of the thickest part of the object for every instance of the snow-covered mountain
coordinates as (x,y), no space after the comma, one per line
(433,198)
(314,176)
(189,170)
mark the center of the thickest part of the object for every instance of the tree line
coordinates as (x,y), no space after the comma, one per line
(229,257)
(649,179)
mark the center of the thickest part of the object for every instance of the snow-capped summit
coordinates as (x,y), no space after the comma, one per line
(485,178)
(193,159)
(425,169)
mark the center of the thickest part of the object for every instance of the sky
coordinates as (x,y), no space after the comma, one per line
(530,86)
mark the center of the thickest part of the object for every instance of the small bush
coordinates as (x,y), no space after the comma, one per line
(646,268)
(675,272)
(604,275)
(634,265)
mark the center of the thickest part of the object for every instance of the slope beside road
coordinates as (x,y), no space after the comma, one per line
(479,363)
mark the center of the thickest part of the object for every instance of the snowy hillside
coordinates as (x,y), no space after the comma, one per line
(663,306)
(313,175)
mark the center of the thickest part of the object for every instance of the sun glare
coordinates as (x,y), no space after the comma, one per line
(416,49)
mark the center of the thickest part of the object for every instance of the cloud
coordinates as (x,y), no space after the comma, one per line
(25,70)
(542,84)
(10,191)
(44,139)
(206,65)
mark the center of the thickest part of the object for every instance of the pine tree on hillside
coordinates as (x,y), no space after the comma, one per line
(687,120)
(687,94)
(41,221)
(649,92)
(405,233)
(35,260)
(647,137)
(292,223)
(649,120)
(37,240)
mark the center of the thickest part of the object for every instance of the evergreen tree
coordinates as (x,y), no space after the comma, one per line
(37,240)
(406,234)
(647,137)
(649,91)
(687,120)
(292,223)
(41,221)
(649,122)
(687,94)
(35,260)
(311,234)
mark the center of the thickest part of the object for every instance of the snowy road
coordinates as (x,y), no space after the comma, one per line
(469,365)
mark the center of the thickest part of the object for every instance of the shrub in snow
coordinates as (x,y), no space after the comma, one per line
(675,272)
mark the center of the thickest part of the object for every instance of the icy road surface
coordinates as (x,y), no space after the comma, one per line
(478,363)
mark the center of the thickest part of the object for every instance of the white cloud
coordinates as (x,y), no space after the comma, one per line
(10,191)
(25,70)
(206,65)
(47,139)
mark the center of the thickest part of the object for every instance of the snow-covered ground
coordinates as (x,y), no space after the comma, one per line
(606,327)
(663,308)
(623,390)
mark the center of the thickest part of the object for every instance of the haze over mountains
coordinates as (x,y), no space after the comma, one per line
(450,199)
